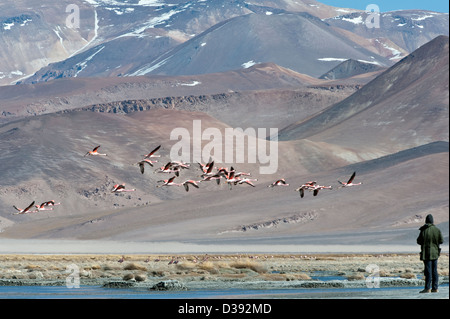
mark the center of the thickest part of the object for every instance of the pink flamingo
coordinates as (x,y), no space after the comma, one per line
(51,203)
(231,179)
(248,181)
(305,186)
(280,182)
(349,182)
(168,182)
(118,188)
(189,182)
(43,206)
(152,153)
(223,171)
(238,174)
(168,168)
(207,169)
(95,152)
(178,164)
(317,188)
(25,210)
(143,162)
(215,177)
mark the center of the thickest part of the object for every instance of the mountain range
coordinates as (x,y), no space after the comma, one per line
(186,37)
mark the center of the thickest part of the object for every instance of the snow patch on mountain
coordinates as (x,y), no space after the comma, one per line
(82,65)
(332,59)
(357,20)
(248,64)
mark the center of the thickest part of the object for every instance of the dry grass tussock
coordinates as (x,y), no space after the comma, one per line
(249,264)
(134,266)
(229,267)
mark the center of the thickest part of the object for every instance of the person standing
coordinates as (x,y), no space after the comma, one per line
(429,239)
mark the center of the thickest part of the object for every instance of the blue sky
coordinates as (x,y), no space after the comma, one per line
(391,5)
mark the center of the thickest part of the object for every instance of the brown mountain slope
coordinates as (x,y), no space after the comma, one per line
(383,208)
(24,100)
(404,107)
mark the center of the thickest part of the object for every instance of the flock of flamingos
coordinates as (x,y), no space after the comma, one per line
(208,174)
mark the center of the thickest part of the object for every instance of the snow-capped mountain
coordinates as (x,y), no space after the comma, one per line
(118,38)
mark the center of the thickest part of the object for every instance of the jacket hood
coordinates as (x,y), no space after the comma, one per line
(429,219)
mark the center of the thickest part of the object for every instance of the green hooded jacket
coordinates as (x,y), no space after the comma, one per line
(429,239)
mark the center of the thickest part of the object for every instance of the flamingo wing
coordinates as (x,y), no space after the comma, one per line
(154,151)
(210,167)
(351,178)
(171,179)
(31,205)
(96,148)
(141,167)
(168,165)
(193,184)
(149,162)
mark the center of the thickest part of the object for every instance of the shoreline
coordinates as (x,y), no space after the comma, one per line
(66,246)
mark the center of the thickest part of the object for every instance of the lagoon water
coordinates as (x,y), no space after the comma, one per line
(98,292)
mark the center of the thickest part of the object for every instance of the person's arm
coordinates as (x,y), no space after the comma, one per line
(420,238)
(441,238)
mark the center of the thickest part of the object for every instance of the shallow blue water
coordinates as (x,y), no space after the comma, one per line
(98,292)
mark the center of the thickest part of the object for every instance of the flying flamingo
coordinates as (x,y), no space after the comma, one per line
(25,210)
(50,203)
(222,171)
(280,182)
(118,188)
(349,182)
(302,188)
(238,174)
(178,164)
(190,182)
(152,153)
(215,177)
(168,168)
(317,188)
(231,179)
(206,167)
(142,164)
(248,181)
(168,182)
(95,152)
(43,206)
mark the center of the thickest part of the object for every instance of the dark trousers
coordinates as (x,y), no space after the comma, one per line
(431,274)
